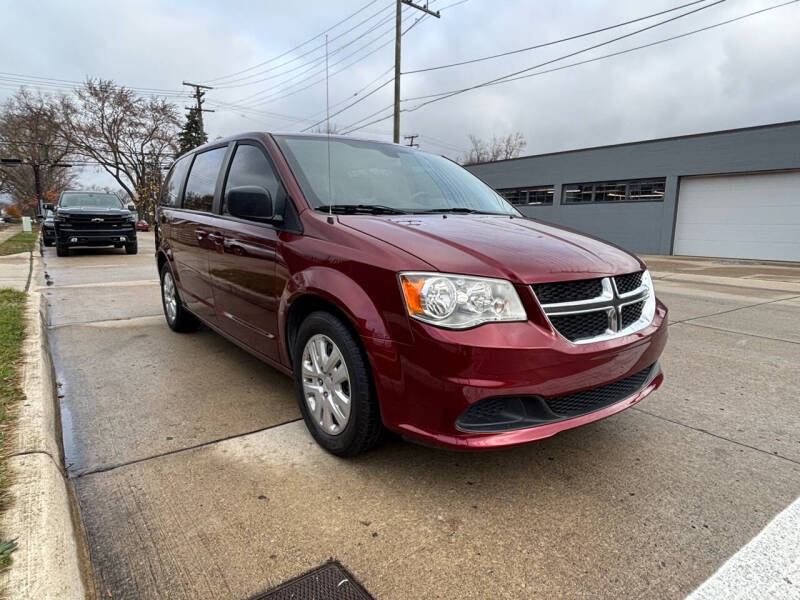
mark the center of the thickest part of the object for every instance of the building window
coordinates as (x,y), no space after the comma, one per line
(528,196)
(636,190)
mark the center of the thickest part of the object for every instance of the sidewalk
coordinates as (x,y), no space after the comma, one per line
(9,230)
(14,268)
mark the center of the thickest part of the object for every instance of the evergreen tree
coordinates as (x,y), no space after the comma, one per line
(192,134)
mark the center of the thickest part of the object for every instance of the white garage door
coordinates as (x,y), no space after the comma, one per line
(740,216)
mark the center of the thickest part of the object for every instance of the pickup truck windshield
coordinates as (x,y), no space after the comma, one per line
(89,199)
(393,178)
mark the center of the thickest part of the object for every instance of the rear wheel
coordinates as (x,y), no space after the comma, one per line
(61,249)
(132,247)
(334,386)
(178,318)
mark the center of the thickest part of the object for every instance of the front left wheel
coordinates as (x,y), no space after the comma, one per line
(334,386)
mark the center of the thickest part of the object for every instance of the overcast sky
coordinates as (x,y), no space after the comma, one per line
(741,74)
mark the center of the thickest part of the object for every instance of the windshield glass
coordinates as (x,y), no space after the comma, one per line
(385,175)
(91,199)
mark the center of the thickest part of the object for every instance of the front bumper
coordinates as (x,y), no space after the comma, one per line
(69,236)
(423,388)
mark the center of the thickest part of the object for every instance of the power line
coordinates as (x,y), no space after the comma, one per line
(571,54)
(311,39)
(364,97)
(554,42)
(274,94)
(313,62)
(443,95)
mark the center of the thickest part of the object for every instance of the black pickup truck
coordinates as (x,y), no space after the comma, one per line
(93,219)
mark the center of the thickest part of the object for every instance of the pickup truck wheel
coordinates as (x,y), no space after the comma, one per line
(334,386)
(132,247)
(62,249)
(178,318)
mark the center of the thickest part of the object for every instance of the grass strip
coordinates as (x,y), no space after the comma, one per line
(12,332)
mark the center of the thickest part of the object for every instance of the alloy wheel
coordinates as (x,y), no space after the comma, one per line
(326,384)
(170,297)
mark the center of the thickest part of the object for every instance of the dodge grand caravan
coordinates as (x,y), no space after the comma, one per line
(402,293)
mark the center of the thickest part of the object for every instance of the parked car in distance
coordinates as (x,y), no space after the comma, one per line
(402,293)
(48,228)
(141,225)
(93,219)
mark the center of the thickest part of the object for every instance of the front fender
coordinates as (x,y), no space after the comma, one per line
(340,290)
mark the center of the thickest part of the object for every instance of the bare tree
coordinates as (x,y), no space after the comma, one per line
(29,134)
(510,146)
(333,129)
(131,137)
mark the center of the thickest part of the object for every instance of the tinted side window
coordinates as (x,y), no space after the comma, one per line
(251,167)
(202,180)
(172,186)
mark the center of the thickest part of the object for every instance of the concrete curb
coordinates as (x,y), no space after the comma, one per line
(41,516)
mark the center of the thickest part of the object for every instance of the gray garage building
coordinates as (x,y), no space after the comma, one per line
(733,194)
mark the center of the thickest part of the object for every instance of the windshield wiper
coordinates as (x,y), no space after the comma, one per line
(462,210)
(352,209)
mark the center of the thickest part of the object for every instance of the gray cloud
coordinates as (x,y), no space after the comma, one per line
(742,74)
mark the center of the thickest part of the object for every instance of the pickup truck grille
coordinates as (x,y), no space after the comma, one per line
(591,310)
(89,222)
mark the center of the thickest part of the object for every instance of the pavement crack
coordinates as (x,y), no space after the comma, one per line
(719,437)
(755,335)
(725,312)
(46,453)
(180,450)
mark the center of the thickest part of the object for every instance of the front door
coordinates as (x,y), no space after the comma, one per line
(242,264)
(191,228)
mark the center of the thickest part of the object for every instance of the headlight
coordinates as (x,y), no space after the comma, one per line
(649,310)
(132,218)
(458,301)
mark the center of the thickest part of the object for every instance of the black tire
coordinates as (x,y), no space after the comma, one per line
(364,429)
(132,247)
(184,321)
(62,249)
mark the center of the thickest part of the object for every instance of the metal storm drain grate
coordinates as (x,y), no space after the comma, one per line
(330,581)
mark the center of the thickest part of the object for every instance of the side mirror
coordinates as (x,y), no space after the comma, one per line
(251,202)
(131,207)
(48,206)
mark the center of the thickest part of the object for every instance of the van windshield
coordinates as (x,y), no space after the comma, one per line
(91,199)
(384,176)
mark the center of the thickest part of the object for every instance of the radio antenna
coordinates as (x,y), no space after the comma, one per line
(328,129)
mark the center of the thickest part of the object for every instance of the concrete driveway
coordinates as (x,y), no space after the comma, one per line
(196,479)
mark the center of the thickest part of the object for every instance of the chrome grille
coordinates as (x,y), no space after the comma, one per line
(591,310)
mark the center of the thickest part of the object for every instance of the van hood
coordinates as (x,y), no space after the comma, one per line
(518,249)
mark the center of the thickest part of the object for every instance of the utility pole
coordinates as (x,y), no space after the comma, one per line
(198,94)
(411,139)
(398,32)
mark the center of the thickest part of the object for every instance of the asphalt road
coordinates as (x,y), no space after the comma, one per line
(195,478)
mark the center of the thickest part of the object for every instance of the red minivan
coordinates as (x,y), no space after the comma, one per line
(402,293)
